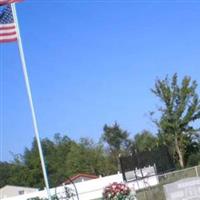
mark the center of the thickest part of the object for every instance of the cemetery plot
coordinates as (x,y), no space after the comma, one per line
(185,189)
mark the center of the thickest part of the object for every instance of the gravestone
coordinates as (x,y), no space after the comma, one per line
(185,189)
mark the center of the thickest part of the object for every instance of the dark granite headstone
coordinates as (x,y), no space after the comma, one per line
(185,189)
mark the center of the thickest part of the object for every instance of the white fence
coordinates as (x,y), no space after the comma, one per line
(93,189)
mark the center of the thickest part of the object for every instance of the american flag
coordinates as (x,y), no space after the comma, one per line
(7,25)
(3,2)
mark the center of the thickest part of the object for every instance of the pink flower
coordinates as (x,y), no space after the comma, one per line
(113,190)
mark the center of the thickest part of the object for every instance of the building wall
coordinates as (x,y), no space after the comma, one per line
(10,191)
(92,189)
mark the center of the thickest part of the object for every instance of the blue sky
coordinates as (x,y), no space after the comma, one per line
(92,63)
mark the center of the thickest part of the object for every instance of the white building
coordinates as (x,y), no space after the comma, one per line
(93,189)
(11,191)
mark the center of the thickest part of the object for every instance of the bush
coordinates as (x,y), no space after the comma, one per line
(193,160)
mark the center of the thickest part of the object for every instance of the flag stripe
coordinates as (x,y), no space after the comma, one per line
(7,31)
(3,2)
(8,40)
(10,25)
(6,34)
(7,25)
(9,37)
(7,28)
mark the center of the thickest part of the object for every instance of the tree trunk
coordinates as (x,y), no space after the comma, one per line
(180,154)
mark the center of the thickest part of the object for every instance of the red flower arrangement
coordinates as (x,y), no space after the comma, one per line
(116,191)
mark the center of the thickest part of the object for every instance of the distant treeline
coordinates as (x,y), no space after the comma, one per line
(64,157)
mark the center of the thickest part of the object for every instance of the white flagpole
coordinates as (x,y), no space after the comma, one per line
(30,99)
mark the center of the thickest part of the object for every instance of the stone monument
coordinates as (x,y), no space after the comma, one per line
(185,189)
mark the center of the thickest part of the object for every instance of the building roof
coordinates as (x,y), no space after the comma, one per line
(79,176)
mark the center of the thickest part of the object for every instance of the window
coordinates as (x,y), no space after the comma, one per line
(21,192)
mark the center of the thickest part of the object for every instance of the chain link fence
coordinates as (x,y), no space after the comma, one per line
(157,192)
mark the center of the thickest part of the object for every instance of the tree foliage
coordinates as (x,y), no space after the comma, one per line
(117,141)
(88,157)
(115,137)
(65,157)
(180,108)
(145,141)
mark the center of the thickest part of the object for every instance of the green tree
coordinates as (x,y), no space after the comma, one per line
(31,160)
(115,137)
(5,173)
(88,157)
(180,108)
(117,140)
(63,158)
(55,153)
(62,145)
(12,174)
(145,141)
